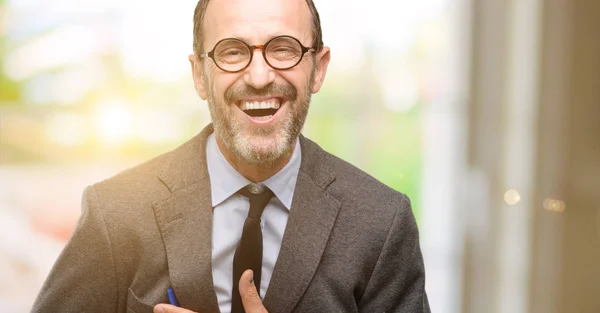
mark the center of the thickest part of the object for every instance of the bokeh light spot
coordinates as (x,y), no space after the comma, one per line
(114,122)
(554,205)
(512,197)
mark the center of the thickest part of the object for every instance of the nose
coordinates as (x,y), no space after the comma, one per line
(259,74)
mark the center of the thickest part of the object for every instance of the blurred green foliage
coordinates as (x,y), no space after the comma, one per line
(349,119)
(9,89)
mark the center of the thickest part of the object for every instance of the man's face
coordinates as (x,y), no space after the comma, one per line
(258,139)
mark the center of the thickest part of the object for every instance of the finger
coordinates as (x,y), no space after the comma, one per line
(250,298)
(167,308)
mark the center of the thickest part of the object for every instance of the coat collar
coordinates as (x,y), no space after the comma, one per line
(187,164)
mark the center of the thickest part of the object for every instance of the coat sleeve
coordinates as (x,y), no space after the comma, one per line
(83,278)
(398,280)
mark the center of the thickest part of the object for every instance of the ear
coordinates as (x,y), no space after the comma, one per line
(322,60)
(197,72)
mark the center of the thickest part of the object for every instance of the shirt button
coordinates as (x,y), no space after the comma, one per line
(256,189)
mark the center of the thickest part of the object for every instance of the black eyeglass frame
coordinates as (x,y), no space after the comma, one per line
(211,54)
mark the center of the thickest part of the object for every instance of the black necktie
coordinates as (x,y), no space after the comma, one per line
(248,254)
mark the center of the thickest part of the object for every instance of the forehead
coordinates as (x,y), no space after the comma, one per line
(256,21)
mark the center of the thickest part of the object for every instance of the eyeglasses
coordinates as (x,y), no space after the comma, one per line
(232,55)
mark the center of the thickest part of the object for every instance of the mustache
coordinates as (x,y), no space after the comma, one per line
(245,91)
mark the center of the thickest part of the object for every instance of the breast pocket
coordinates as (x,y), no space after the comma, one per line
(135,305)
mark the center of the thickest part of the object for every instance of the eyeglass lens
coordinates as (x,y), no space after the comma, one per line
(280,53)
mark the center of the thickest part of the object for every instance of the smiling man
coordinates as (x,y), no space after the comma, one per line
(248,193)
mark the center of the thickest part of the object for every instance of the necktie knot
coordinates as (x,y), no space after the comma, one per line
(259,196)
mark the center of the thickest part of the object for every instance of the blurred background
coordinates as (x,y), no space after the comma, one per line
(486,113)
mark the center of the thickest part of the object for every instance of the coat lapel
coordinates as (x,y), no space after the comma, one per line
(185,222)
(312,216)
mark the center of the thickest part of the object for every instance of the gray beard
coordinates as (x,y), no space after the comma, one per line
(237,139)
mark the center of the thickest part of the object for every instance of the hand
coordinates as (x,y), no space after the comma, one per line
(250,298)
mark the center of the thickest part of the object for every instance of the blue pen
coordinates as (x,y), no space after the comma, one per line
(172,298)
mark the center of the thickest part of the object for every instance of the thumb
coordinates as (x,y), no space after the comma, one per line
(167,308)
(249,295)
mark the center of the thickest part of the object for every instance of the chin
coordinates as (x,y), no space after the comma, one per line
(261,150)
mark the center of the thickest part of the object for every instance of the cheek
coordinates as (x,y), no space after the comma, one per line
(305,81)
(220,82)
(216,88)
(300,80)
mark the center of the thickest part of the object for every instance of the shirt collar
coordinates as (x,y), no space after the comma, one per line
(225,180)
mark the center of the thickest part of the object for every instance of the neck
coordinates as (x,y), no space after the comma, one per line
(255,172)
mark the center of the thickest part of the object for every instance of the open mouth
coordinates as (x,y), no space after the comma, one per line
(261,110)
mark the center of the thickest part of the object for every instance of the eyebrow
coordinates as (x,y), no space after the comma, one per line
(271,36)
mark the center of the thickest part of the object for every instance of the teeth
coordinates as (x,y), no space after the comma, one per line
(273,104)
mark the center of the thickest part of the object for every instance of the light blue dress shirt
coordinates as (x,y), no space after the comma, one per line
(230,211)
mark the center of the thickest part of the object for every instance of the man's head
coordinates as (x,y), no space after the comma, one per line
(252,135)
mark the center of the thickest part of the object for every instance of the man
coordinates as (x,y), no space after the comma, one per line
(249,209)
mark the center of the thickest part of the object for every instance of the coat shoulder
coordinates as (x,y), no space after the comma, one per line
(355,187)
(139,186)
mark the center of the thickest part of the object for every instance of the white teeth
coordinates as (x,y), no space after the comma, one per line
(273,104)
